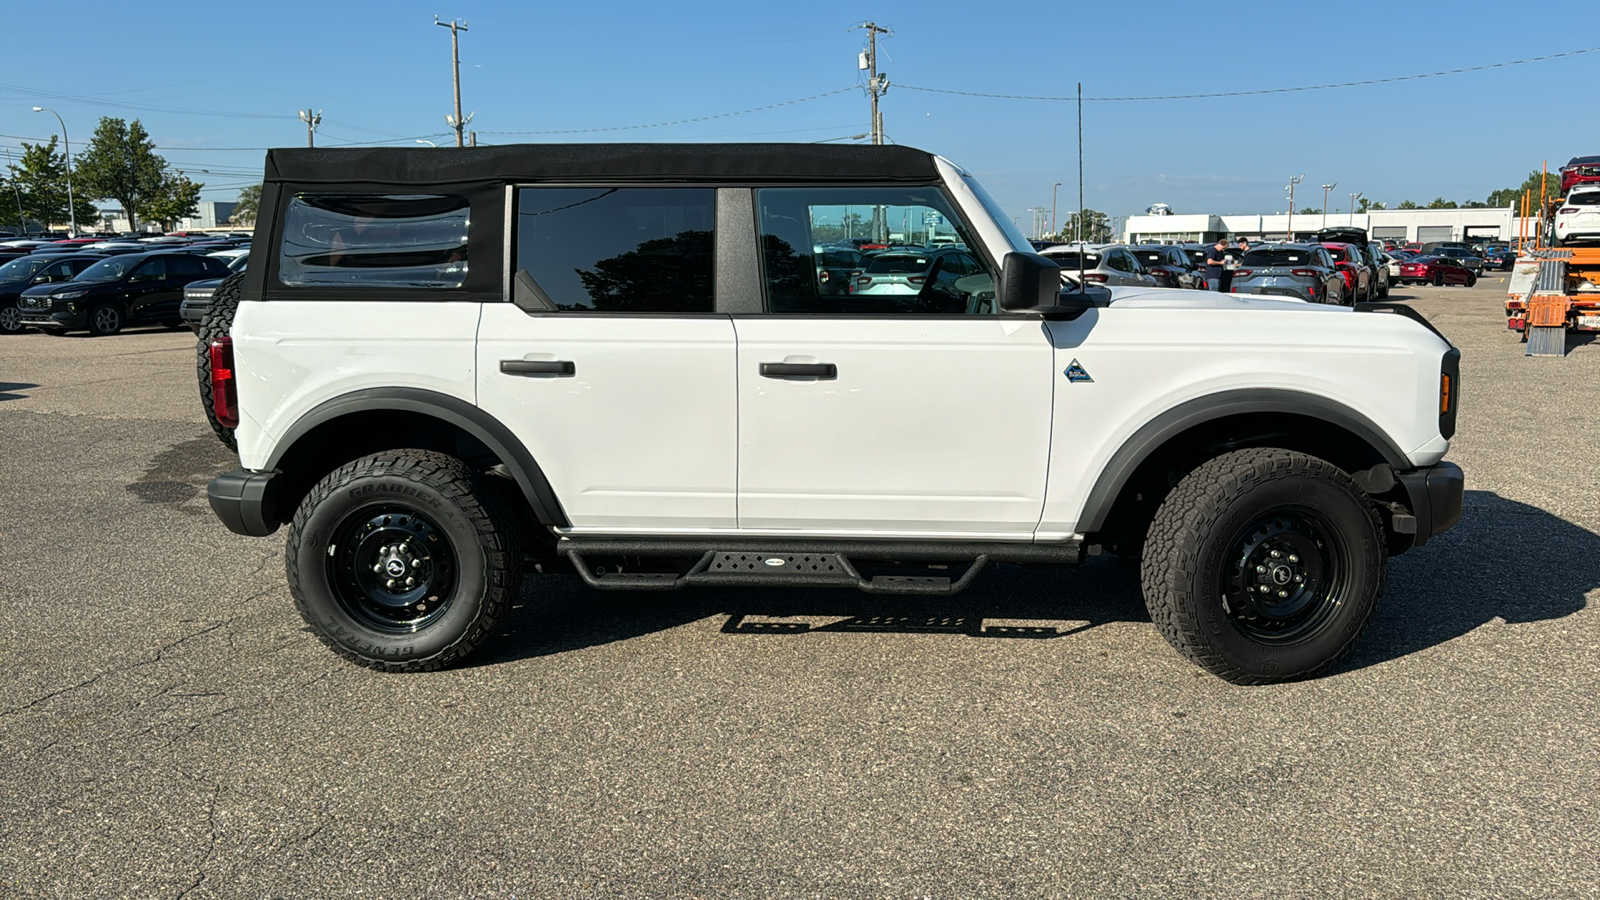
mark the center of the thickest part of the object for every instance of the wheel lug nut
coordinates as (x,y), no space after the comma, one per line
(1264,589)
(377,567)
(410,582)
(1293,558)
(1283,593)
(415,563)
(1261,570)
(1276,554)
(1299,578)
(391,584)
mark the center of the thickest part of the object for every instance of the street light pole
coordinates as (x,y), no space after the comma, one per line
(1325,189)
(1353,198)
(1053,192)
(72,204)
(1288,225)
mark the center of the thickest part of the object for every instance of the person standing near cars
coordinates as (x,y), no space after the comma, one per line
(1216,259)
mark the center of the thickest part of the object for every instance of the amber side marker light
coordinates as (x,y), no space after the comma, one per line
(1444,394)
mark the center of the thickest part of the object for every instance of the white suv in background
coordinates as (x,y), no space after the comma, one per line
(1578,216)
(443,369)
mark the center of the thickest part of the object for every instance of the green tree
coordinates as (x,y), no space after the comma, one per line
(1374,205)
(1097,227)
(1551,184)
(1407,204)
(1504,197)
(1474,204)
(244,212)
(177,198)
(10,202)
(1310,211)
(1442,203)
(121,164)
(41,176)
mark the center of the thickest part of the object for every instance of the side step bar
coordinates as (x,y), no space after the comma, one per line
(799,563)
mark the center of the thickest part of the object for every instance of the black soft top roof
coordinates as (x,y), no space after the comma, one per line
(665,163)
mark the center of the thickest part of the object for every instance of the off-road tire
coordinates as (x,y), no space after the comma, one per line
(217,322)
(1195,541)
(453,514)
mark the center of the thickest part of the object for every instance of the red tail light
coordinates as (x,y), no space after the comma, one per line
(224,390)
(917,279)
(1242,273)
(865,279)
(1095,277)
(823,276)
(1568,209)
(1304,273)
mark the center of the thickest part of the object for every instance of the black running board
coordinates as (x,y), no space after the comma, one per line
(735,563)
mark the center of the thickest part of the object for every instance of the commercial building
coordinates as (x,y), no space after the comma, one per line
(1490,223)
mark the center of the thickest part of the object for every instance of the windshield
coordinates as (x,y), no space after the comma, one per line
(1007,227)
(22,268)
(888,264)
(238,263)
(1070,259)
(108,269)
(1151,257)
(1337,253)
(1278,258)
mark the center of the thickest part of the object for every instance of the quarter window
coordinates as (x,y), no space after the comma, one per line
(643,250)
(391,241)
(912,248)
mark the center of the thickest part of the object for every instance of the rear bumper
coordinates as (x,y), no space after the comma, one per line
(1435,494)
(245,501)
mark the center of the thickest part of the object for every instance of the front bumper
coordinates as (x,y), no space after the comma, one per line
(57,316)
(246,501)
(193,309)
(1434,493)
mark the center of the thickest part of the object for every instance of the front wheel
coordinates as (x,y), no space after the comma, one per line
(1438,280)
(1264,565)
(10,319)
(403,561)
(104,319)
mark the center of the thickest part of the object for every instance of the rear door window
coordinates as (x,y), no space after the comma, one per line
(392,241)
(611,249)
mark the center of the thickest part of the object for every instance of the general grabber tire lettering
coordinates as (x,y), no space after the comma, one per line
(403,561)
(1264,565)
(217,322)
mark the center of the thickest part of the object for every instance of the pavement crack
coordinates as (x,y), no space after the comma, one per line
(211,844)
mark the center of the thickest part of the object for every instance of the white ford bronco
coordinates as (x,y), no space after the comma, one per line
(650,363)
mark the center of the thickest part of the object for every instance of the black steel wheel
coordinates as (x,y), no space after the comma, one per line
(1264,565)
(403,561)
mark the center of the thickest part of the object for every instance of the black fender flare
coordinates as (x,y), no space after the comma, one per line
(1154,434)
(469,418)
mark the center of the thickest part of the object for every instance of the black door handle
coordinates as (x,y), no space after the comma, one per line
(799,370)
(537,367)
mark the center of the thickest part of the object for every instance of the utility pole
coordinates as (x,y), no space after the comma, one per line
(72,205)
(312,120)
(877,84)
(1353,198)
(1325,189)
(1288,227)
(456,121)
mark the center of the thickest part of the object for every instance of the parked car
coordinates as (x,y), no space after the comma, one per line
(33,270)
(899,281)
(1413,246)
(1380,267)
(1579,170)
(131,289)
(1357,274)
(1106,264)
(1436,270)
(197,295)
(1305,271)
(1170,266)
(1464,258)
(1578,216)
(1395,258)
(1499,258)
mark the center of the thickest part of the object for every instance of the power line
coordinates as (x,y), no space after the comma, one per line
(1288,90)
(682,121)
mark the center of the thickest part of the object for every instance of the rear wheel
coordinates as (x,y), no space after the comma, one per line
(1264,565)
(1438,280)
(1471,280)
(403,561)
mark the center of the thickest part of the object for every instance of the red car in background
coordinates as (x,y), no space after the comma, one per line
(1578,170)
(1357,277)
(1436,270)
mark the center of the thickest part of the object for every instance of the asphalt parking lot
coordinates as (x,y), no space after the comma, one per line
(170,728)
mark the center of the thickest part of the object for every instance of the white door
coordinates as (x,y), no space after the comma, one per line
(924,426)
(619,378)
(930,419)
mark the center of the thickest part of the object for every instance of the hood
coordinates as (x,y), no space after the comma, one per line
(209,284)
(62,287)
(1168,298)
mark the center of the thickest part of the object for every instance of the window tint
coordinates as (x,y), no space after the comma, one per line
(399,241)
(1278,258)
(795,222)
(619,249)
(150,270)
(185,265)
(1587,198)
(1071,259)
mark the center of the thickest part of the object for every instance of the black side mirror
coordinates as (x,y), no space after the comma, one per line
(1028,281)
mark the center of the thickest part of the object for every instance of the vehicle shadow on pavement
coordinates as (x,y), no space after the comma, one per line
(1463,579)
(9,389)
(560,614)
(1505,560)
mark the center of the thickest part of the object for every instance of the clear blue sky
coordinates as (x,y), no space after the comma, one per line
(225,75)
